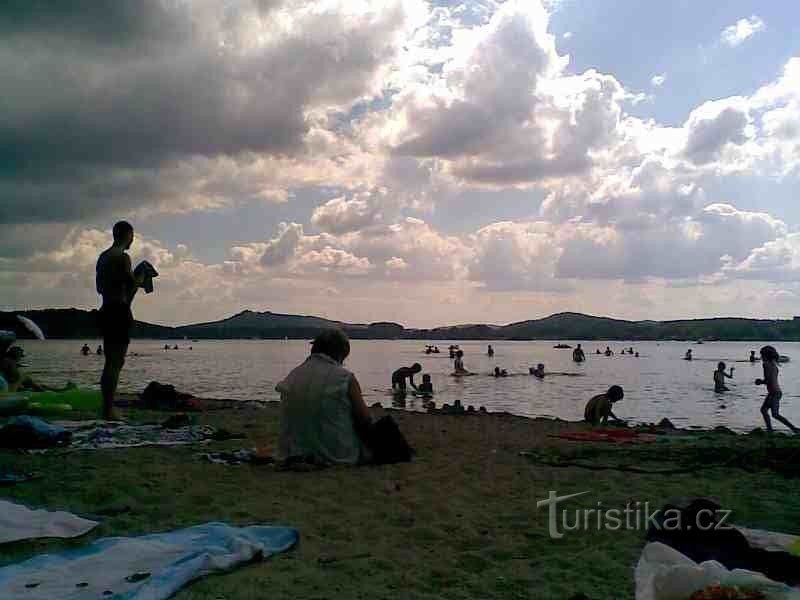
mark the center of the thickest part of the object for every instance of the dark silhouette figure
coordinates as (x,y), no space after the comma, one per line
(117,285)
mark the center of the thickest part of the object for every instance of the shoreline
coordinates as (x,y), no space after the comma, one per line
(459,521)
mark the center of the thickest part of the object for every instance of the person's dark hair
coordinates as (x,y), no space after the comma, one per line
(416,367)
(615,393)
(769,353)
(332,342)
(121,229)
(721,366)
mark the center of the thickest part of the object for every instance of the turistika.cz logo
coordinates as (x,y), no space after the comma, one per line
(635,516)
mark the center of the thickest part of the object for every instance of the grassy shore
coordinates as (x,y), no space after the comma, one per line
(458,522)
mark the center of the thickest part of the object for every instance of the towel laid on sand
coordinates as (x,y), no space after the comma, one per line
(18,522)
(132,436)
(151,567)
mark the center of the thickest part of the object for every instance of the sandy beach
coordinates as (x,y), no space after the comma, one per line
(460,521)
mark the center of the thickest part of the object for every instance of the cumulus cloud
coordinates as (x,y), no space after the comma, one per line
(713,125)
(743,29)
(91,116)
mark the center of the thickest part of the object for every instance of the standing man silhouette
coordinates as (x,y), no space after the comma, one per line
(117,285)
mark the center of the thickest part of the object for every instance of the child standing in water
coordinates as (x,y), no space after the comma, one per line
(426,387)
(772,403)
(719,378)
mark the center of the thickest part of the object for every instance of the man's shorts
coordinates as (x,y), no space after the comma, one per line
(115,322)
(773,402)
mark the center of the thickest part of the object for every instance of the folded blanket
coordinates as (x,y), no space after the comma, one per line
(18,522)
(152,567)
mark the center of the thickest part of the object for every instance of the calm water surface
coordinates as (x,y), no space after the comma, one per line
(658,384)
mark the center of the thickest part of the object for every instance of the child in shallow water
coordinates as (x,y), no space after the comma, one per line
(538,372)
(719,378)
(426,387)
(772,403)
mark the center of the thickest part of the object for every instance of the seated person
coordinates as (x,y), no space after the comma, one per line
(538,371)
(323,417)
(86,350)
(400,375)
(688,355)
(753,357)
(609,351)
(719,378)
(16,379)
(598,409)
(426,387)
(458,364)
(498,372)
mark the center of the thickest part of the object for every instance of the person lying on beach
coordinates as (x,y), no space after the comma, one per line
(498,372)
(598,409)
(772,403)
(538,372)
(426,387)
(400,375)
(719,378)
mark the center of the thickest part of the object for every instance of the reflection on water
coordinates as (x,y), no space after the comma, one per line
(658,384)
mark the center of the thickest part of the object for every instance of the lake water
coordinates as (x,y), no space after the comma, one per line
(658,384)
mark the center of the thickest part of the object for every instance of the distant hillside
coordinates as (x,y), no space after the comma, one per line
(74,323)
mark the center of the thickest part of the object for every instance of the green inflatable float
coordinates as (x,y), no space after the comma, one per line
(76,399)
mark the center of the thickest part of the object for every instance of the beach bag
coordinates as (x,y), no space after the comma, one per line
(387,443)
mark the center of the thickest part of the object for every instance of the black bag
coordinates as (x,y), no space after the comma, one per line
(387,443)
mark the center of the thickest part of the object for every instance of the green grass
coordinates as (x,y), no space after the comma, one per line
(459,522)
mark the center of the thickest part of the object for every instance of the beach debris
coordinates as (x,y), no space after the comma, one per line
(137,577)
(665,423)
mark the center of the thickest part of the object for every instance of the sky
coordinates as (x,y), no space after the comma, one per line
(424,162)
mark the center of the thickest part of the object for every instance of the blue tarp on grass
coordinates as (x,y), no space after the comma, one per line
(149,567)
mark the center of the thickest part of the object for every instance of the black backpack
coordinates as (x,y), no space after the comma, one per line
(387,443)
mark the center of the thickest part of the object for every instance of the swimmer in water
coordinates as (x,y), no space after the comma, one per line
(99,351)
(538,372)
(578,354)
(458,365)
(86,350)
(719,378)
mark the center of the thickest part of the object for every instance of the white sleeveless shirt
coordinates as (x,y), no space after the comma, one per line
(316,418)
